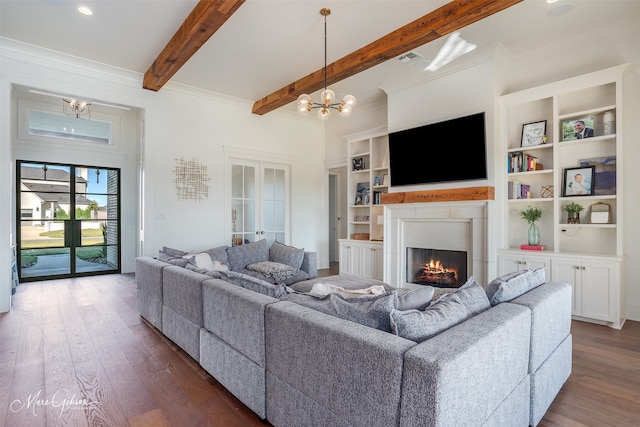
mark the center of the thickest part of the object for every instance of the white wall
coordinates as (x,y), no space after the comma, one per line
(178,122)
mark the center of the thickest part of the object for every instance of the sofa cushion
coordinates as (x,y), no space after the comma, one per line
(253,283)
(242,255)
(278,271)
(512,285)
(450,310)
(415,299)
(371,311)
(300,275)
(201,260)
(172,253)
(288,255)
(218,254)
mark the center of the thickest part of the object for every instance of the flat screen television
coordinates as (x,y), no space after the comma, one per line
(452,150)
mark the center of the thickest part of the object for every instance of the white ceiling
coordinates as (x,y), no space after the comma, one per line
(268,44)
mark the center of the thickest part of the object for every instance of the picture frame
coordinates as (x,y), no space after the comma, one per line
(605,174)
(569,130)
(579,181)
(534,134)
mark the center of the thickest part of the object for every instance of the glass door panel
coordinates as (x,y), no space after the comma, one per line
(67,229)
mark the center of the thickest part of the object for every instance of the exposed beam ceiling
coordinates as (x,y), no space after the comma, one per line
(447,19)
(205,19)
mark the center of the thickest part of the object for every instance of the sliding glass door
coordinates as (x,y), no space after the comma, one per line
(68,220)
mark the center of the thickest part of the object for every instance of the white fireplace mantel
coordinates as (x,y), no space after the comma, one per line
(462,225)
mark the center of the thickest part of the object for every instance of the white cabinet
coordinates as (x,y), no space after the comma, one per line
(517,261)
(364,259)
(596,287)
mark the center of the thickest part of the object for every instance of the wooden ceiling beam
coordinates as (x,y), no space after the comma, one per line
(440,22)
(203,21)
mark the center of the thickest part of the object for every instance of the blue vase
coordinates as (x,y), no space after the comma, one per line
(533,234)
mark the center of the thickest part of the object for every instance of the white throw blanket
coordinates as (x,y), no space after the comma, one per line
(326,289)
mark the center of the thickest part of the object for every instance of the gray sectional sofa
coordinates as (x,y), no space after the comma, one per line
(295,365)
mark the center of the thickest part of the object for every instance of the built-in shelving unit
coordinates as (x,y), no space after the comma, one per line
(574,253)
(367,180)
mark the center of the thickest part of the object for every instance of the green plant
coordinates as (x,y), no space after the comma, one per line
(532,214)
(573,207)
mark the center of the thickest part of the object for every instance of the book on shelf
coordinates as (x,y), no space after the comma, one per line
(532,247)
(518,190)
(522,162)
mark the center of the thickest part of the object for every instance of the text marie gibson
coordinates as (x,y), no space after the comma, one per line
(60,400)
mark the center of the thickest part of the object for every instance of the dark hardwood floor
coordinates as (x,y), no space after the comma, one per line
(75,352)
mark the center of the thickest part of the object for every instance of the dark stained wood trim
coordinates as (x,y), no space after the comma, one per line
(203,21)
(440,22)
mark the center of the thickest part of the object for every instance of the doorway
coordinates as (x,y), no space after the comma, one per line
(68,220)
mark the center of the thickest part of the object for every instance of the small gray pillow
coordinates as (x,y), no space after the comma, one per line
(218,254)
(253,283)
(372,311)
(287,255)
(415,299)
(512,285)
(450,310)
(173,253)
(242,255)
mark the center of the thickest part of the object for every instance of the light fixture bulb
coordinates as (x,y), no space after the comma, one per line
(349,100)
(344,110)
(324,113)
(304,109)
(304,99)
(327,96)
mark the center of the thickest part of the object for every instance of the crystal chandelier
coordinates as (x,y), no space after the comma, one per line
(306,104)
(73,107)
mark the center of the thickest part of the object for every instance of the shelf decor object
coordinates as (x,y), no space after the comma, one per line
(531,215)
(534,133)
(579,181)
(600,213)
(573,210)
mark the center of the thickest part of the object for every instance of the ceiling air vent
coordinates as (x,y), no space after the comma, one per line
(408,57)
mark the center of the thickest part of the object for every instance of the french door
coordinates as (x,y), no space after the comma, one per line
(68,220)
(259,202)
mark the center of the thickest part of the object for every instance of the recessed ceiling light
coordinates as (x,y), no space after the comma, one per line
(85,10)
(551,1)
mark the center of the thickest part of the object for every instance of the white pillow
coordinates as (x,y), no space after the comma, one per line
(201,260)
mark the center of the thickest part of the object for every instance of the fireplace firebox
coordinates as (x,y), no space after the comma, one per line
(436,267)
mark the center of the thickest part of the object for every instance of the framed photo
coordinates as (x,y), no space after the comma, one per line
(578,129)
(534,134)
(579,181)
(605,174)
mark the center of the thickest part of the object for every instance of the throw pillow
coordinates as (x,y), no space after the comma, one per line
(415,299)
(371,311)
(512,285)
(450,310)
(201,260)
(288,255)
(218,254)
(254,284)
(242,255)
(279,272)
(173,253)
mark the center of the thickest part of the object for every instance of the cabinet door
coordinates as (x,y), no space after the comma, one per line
(569,271)
(518,262)
(372,261)
(597,281)
(351,260)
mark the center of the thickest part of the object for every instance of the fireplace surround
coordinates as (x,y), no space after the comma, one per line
(455,226)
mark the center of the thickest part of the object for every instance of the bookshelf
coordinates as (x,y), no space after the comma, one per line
(588,254)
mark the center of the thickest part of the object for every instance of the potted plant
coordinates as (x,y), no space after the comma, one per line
(573,212)
(531,215)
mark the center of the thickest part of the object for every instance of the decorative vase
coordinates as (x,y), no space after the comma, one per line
(573,217)
(609,119)
(533,234)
